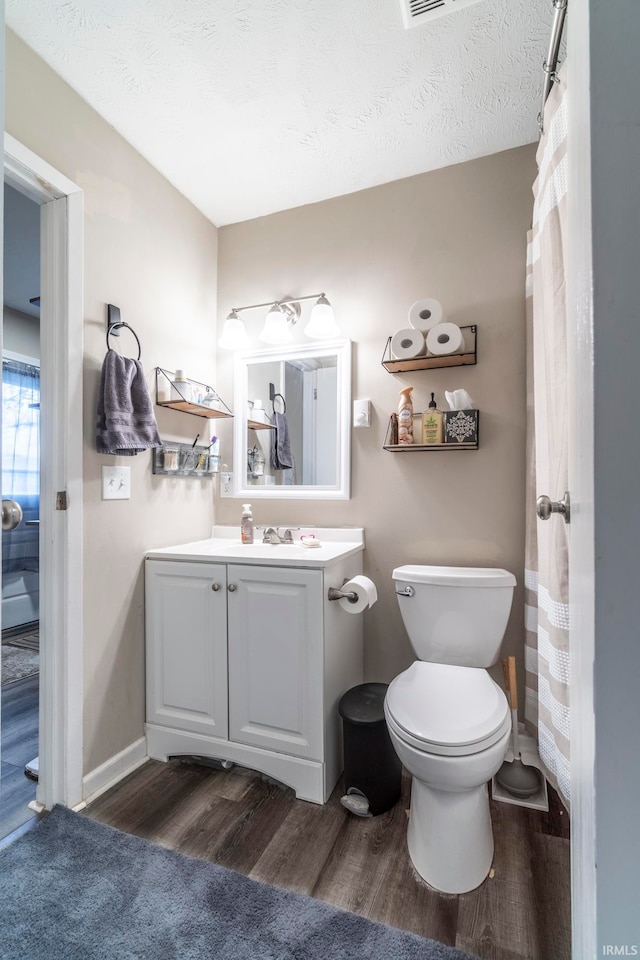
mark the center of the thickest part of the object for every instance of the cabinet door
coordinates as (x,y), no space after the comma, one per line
(186,631)
(276,659)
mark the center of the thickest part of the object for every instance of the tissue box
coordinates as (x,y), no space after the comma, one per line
(461,426)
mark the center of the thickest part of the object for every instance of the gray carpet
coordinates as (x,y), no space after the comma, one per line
(20,652)
(73,888)
(18,663)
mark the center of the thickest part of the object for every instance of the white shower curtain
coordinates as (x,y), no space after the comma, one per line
(546,561)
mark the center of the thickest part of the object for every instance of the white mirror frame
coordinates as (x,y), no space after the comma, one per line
(341,349)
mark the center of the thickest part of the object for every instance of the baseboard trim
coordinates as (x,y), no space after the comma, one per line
(110,772)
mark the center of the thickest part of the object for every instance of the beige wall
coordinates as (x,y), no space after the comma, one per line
(457,234)
(21,333)
(150,252)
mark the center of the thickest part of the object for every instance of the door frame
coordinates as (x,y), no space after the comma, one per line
(61,531)
(580,331)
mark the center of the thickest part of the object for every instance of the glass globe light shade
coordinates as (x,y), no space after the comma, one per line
(322,323)
(276,327)
(234,335)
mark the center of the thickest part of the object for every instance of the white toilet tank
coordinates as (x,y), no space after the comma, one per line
(455,615)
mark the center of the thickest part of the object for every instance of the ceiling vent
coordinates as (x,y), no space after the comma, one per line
(417,12)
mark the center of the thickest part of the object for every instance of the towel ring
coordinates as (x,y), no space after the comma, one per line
(114,329)
(273,402)
(272,396)
(115,324)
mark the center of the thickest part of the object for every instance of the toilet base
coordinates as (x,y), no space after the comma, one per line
(449,836)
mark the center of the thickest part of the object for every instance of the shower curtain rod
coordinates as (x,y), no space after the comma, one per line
(550,64)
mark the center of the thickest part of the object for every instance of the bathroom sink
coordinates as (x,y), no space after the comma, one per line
(268,549)
(225,546)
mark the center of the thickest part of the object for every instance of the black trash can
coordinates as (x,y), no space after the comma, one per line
(372,768)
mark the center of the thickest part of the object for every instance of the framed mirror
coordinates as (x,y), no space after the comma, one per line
(292,410)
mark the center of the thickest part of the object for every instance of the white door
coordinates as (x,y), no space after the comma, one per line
(186,642)
(276,659)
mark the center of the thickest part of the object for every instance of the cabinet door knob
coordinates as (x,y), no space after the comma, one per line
(215,587)
(231,587)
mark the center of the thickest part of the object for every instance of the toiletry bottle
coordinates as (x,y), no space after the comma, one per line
(405,416)
(393,439)
(181,387)
(432,424)
(246,526)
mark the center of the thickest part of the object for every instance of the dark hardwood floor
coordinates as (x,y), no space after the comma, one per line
(19,732)
(243,821)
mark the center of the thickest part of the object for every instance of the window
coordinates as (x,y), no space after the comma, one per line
(20,429)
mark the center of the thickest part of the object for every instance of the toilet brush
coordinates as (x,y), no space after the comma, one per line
(517,779)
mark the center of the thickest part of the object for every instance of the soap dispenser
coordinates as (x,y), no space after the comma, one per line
(432,423)
(246,525)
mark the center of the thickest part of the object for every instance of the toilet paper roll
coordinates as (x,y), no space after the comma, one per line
(364,588)
(444,339)
(407,344)
(425,314)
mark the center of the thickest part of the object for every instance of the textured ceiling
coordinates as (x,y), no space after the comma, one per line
(253,106)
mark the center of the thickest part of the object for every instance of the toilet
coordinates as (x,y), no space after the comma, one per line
(449,722)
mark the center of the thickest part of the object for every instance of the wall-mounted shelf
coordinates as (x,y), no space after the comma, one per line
(467,358)
(259,425)
(470,420)
(408,447)
(166,392)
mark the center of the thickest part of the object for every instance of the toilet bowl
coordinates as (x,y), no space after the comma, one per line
(448,721)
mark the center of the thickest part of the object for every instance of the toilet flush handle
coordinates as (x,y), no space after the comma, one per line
(407,591)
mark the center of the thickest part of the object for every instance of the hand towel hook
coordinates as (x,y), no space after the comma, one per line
(273,396)
(115,324)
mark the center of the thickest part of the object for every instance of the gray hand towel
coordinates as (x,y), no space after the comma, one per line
(280,446)
(126,424)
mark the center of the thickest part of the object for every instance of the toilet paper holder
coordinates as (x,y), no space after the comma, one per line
(337,594)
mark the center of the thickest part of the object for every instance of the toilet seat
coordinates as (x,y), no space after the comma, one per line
(447,710)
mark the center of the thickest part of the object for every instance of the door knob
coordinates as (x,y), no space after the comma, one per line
(231,587)
(215,587)
(545,507)
(11,514)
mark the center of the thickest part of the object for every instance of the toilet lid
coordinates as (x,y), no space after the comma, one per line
(447,706)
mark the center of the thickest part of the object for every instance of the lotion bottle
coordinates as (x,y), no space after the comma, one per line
(432,423)
(246,525)
(405,416)
(181,387)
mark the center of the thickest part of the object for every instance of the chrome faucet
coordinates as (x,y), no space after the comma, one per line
(271,535)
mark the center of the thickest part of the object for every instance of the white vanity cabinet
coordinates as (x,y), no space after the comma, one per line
(247,662)
(276,659)
(186,629)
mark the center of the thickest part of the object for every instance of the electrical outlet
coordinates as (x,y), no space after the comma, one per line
(226,484)
(116,483)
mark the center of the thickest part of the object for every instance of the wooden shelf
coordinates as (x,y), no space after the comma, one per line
(164,377)
(466,359)
(471,444)
(196,409)
(408,447)
(259,425)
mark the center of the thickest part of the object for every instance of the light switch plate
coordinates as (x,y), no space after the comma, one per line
(116,483)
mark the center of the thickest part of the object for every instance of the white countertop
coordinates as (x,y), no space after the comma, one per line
(336,543)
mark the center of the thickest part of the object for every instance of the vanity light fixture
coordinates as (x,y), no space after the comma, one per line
(234,335)
(281,317)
